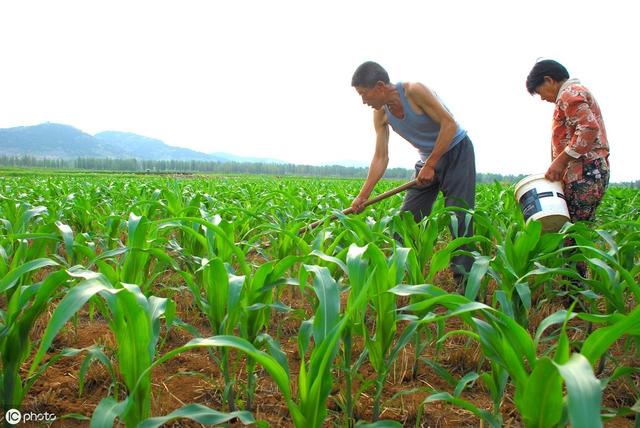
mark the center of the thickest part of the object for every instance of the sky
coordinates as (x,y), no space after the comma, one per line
(273,78)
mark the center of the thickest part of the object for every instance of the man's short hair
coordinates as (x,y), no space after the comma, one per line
(368,74)
(545,67)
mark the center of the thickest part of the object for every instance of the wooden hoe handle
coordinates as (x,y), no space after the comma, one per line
(368,202)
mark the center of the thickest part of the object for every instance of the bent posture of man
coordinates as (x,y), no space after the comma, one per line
(447,159)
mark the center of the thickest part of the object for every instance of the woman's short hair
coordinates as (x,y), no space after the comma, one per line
(545,67)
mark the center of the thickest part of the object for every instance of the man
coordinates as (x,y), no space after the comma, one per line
(447,160)
(580,149)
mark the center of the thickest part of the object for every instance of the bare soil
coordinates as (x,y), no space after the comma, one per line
(193,377)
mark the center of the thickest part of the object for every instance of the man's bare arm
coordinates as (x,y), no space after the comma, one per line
(379,162)
(431,105)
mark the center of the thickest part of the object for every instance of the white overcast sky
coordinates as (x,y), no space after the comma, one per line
(272,78)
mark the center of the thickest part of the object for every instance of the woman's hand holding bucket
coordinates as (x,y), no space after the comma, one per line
(557,168)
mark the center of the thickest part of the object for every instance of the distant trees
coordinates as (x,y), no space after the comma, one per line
(31,161)
(632,184)
(194,166)
(191,166)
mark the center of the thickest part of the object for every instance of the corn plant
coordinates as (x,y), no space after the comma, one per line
(514,259)
(135,322)
(24,307)
(314,378)
(257,301)
(380,347)
(228,300)
(217,294)
(511,348)
(359,278)
(25,237)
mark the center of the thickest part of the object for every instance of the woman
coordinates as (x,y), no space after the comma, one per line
(580,149)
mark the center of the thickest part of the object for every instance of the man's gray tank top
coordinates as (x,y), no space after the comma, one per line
(419,129)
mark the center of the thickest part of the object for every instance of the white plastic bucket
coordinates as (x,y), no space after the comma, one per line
(543,200)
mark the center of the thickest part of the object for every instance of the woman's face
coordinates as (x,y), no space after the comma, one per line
(548,90)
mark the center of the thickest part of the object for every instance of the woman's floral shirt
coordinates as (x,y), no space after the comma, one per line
(578,129)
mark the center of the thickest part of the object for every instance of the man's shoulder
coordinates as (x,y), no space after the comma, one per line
(413,87)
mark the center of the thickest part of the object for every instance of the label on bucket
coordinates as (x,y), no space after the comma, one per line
(530,203)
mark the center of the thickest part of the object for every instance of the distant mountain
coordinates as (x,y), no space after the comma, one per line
(136,146)
(50,140)
(53,140)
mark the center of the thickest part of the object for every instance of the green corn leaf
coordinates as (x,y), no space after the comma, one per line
(478,271)
(275,350)
(68,306)
(555,318)
(606,236)
(467,333)
(157,308)
(398,264)
(518,337)
(200,414)
(331,259)
(584,392)
(406,336)
(464,404)
(284,264)
(277,372)
(505,303)
(356,265)
(445,299)
(11,278)
(541,404)
(137,236)
(106,412)
(328,310)
(357,272)
(440,371)
(93,353)
(524,292)
(67,238)
(500,350)
(563,348)
(439,261)
(219,232)
(525,243)
(462,384)
(27,216)
(601,339)
(416,290)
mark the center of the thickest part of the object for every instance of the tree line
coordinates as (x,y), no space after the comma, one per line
(192,166)
(195,166)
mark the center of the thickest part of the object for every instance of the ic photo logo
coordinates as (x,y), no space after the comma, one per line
(13,416)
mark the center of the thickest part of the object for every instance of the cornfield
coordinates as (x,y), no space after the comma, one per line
(135,285)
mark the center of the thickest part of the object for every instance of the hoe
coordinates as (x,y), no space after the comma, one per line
(372,201)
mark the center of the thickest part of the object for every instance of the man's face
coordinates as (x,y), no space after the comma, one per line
(548,90)
(371,96)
